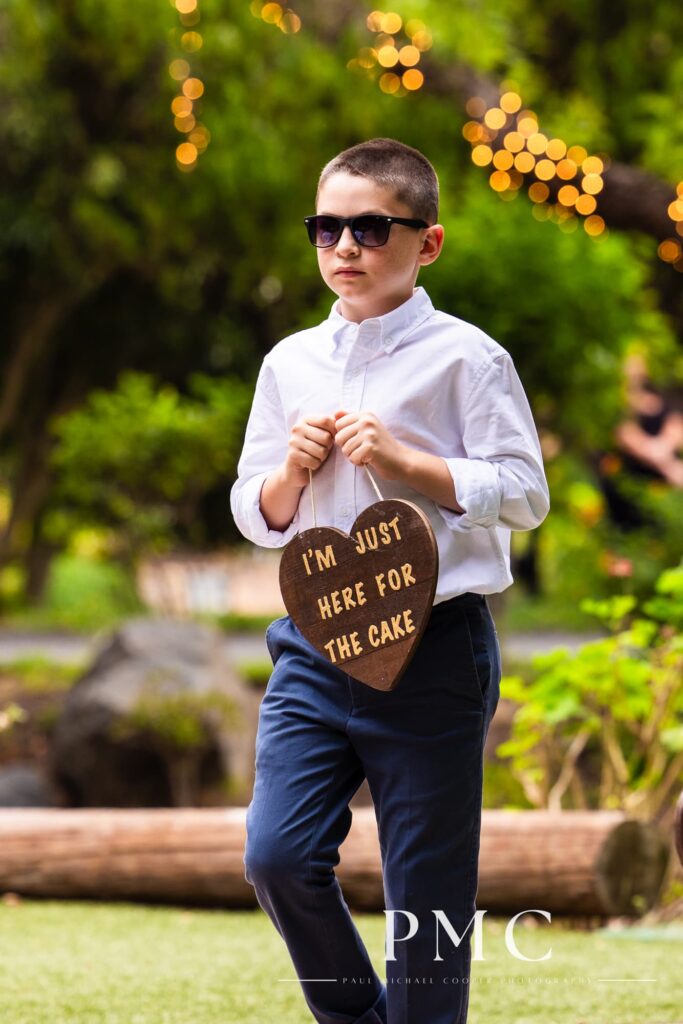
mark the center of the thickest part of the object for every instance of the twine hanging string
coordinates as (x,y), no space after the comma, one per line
(310,481)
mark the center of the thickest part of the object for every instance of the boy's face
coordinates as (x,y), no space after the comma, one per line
(387,272)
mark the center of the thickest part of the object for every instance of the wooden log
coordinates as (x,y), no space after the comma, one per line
(565,862)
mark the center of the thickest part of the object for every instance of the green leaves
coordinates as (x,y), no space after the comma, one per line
(602,727)
(141,457)
(612,611)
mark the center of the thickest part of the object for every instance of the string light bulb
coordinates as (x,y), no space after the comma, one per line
(523,149)
(396,51)
(184,106)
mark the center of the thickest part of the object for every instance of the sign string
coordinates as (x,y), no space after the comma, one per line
(310,480)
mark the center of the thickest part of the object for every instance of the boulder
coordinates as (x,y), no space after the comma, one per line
(23,784)
(159,719)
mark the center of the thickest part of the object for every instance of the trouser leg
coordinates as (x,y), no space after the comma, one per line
(421,746)
(306,774)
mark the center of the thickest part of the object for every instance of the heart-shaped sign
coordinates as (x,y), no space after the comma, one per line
(363,599)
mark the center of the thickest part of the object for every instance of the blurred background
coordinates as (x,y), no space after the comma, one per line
(157,160)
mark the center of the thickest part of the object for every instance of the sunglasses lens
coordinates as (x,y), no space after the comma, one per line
(371,231)
(324,231)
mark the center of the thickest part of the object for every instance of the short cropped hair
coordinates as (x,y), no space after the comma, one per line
(392,165)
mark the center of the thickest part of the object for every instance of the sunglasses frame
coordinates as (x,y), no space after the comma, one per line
(343,221)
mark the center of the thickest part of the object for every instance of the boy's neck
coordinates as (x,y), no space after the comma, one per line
(357,312)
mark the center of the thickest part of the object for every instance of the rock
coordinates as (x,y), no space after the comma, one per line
(24,785)
(159,719)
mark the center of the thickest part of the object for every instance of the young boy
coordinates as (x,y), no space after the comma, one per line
(435,408)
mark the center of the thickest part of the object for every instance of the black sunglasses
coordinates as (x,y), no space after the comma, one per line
(370,229)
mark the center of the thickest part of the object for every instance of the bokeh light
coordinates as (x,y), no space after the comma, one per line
(566,169)
(412,78)
(537,143)
(186,153)
(525,162)
(179,69)
(669,250)
(503,159)
(499,180)
(185,113)
(271,13)
(191,41)
(514,141)
(193,88)
(482,155)
(556,149)
(397,46)
(568,195)
(409,55)
(390,83)
(495,117)
(538,192)
(592,184)
(545,170)
(387,56)
(510,102)
(586,204)
(391,23)
(290,22)
(594,225)
(568,179)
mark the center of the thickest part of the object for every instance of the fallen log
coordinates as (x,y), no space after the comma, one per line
(566,862)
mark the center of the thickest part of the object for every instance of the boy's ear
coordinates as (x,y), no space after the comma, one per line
(432,244)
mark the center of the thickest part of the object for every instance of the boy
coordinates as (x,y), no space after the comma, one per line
(435,409)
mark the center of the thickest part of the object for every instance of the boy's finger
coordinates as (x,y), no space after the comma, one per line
(321,420)
(344,419)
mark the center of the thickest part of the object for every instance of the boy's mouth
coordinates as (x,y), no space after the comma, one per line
(348,271)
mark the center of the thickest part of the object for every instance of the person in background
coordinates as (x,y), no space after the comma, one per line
(648,446)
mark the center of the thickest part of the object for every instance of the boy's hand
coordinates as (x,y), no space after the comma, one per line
(363,438)
(310,442)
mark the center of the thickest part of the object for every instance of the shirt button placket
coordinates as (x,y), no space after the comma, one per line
(352,389)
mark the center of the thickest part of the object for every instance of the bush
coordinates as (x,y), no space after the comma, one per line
(603,727)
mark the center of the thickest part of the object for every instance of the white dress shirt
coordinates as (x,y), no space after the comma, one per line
(439,384)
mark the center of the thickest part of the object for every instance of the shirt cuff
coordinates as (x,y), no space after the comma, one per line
(477,490)
(249,517)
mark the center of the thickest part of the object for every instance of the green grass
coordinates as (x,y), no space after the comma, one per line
(38,674)
(90,963)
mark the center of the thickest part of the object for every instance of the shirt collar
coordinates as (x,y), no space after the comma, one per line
(391,328)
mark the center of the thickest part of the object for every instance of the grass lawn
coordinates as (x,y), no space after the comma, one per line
(92,963)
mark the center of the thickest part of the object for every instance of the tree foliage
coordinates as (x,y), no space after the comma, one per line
(113,259)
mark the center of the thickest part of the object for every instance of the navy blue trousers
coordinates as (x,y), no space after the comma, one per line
(420,746)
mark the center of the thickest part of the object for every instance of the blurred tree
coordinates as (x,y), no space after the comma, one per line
(139,459)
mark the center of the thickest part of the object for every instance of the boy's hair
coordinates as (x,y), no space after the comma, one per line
(392,165)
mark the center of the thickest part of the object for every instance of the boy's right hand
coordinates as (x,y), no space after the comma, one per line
(310,442)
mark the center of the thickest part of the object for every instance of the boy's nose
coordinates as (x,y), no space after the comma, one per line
(346,239)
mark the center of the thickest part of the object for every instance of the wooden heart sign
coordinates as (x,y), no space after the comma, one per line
(363,599)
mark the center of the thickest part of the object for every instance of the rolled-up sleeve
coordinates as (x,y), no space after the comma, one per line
(502,481)
(265,447)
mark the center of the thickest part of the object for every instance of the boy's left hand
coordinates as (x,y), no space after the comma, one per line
(363,438)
